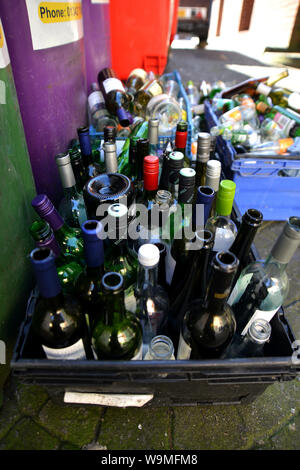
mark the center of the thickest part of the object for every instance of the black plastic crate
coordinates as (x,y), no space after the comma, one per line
(164,383)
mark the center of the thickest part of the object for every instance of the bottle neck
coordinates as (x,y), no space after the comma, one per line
(71,192)
(114,307)
(246,233)
(86,149)
(219,287)
(147,278)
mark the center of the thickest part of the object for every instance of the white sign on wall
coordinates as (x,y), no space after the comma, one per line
(4,56)
(54,23)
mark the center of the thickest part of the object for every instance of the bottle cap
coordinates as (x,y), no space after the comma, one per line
(46,210)
(176,160)
(93,244)
(44,237)
(110,157)
(148,255)
(63,162)
(260,331)
(43,262)
(225,197)
(288,241)
(203,146)
(153,131)
(123,117)
(151,172)
(187,177)
(213,169)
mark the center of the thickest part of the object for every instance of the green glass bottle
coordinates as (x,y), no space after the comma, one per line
(116,333)
(203,156)
(69,239)
(141,132)
(68,269)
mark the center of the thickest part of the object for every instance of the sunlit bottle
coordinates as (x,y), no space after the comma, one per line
(208,327)
(281,96)
(212,180)
(203,155)
(58,321)
(250,85)
(150,89)
(263,285)
(71,206)
(116,333)
(221,225)
(69,238)
(135,81)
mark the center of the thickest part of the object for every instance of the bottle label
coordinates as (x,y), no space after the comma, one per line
(262,315)
(96,99)
(263,89)
(284,122)
(74,352)
(111,84)
(184,350)
(239,289)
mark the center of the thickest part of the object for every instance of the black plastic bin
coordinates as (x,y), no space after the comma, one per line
(165,383)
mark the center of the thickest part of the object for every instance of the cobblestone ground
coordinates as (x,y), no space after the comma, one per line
(31,418)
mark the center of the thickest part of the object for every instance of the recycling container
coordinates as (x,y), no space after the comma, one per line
(17,188)
(159,383)
(141,33)
(46,47)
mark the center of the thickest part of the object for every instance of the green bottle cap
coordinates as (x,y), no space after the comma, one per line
(225,197)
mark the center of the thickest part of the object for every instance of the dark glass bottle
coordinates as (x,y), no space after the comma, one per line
(164,175)
(91,168)
(207,328)
(175,163)
(181,140)
(116,99)
(88,285)
(193,285)
(142,150)
(252,343)
(251,221)
(58,321)
(68,269)
(203,155)
(69,239)
(78,169)
(116,333)
(202,208)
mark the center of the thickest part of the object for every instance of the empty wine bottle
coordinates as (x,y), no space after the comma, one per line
(135,81)
(203,155)
(116,333)
(150,89)
(208,328)
(152,300)
(110,157)
(88,284)
(116,99)
(98,114)
(175,163)
(78,169)
(58,321)
(252,343)
(91,168)
(153,137)
(221,225)
(160,349)
(263,285)
(69,239)
(164,176)
(202,208)
(212,179)
(68,269)
(181,140)
(71,206)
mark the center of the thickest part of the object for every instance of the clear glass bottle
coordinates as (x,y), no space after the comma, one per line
(167,110)
(116,332)
(160,349)
(135,81)
(221,225)
(150,89)
(263,285)
(58,321)
(152,301)
(252,343)
(72,206)
(99,117)
(208,327)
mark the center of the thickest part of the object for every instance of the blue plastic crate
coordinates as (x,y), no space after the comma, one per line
(162,140)
(258,181)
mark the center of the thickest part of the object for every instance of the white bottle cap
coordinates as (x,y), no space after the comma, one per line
(213,168)
(187,172)
(294,100)
(117,210)
(148,255)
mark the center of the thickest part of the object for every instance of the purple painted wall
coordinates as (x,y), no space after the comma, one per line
(96,23)
(51,88)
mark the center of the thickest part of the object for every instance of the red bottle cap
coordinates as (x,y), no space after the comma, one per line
(180,139)
(151,172)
